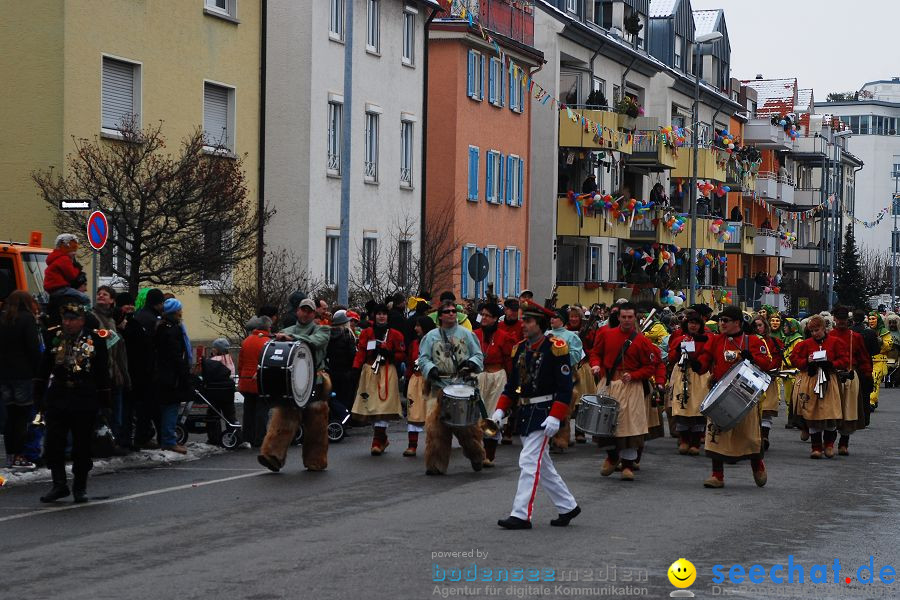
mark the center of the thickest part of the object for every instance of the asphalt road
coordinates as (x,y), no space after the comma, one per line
(373,527)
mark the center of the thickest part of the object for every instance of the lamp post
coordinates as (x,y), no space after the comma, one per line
(894,207)
(695,120)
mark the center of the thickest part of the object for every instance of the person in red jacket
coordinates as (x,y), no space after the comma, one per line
(625,358)
(497,347)
(819,358)
(253,420)
(64,276)
(416,398)
(379,350)
(719,356)
(860,366)
(771,398)
(688,387)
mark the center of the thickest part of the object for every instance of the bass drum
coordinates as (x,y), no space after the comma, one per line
(287,371)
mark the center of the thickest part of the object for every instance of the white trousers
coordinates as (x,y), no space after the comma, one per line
(537,468)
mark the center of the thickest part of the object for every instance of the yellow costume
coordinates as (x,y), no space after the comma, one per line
(879,361)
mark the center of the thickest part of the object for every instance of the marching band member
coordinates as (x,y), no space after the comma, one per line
(541,383)
(511,325)
(790,336)
(626,359)
(558,329)
(771,398)
(497,348)
(879,360)
(286,415)
(448,352)
(379,350)
(688,387)
(860,366)
(818,392)
(416,409)
(720,354)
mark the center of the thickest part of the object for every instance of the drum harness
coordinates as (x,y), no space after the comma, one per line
(715,430)
(620,357)
(448,348)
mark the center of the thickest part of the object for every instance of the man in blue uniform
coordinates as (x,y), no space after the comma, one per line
(541,383)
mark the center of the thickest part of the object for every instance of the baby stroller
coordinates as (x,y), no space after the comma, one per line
(338,415)
(211,404)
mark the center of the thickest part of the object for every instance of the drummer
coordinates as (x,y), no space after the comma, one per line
(558,329)
(860,366)
(771,398)
(719,356)
(378,351)
(688,387)
(818,393)
(497,348)
(447,355)
(624,358)
(541,383)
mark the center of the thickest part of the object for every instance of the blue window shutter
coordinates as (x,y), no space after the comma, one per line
(521,182)
(518,272)
(464,286)
(522,97)
(475,173)
(492,84)
(472,175)
(510,173)
(500,85)
(501,184)
(483,61)
(512,96)
(505,287)
(489,177)
(470,76)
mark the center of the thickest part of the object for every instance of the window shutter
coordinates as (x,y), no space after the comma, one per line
(479,285)
(470,76)
(522,87)
(497,289)
(510,174)
(500,85)
(501,184)
(464,287)
(492,95)
(117,91)
(473,173)
(521,182)
(512,95)
(481,94)
(489,177)
(215,114)
(518,272)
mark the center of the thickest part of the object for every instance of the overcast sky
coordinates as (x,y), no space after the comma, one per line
(828,45)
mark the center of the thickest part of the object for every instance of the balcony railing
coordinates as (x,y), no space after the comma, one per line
(514,20)
(334,162)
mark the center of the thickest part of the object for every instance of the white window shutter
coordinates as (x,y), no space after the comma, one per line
(117,91)
(215,115)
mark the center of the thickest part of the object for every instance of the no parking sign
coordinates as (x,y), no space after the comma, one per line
(97,230)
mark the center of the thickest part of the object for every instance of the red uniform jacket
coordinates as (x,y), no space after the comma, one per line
(640,359)
(248,360)
(61,271)
(859,357)
(513,331)
(675,345)
(412,355)
(776,351)
(499,351)
(713,357)
(836,352)
(393,343)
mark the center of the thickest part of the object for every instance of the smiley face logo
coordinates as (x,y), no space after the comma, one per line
(682,573)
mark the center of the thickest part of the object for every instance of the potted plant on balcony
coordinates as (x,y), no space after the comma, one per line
(596,99)
(629,110)
(591,285)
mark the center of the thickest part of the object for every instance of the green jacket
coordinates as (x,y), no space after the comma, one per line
(315,335)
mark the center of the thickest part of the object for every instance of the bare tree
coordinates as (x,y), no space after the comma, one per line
(237,299)
(876,268)
(438,253)
(387,268)
(175,219)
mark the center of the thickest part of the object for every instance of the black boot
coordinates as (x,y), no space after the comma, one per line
(765,437)
(79,488)
(60,488)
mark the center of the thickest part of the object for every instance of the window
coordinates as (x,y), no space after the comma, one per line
(226,8)
(598,85)
(114,261)
(494,268)
(518,272)
(570,87)
(406,153)
(592,272)
(467,284)
(370,258)
(613,272)
(679,48)
(516,90)
(405,260)
(751,108)
(494,172)
(215,239)
(617,94)
(475,76)
(335,112)
(495,82)
(218,116)
(515,178)
(864,125)
(336,26)
(120,94)
(373,27)
(473,174)
(371,162)
(409,37)
(504,288)
(332,254)
(572,6)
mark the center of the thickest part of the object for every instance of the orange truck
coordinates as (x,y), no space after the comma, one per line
(22,267)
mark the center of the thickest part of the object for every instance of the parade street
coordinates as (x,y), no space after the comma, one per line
(377,527)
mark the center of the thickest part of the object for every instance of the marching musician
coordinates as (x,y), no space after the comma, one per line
(541,383)
(719,356)
(819,358)
(72,385)
(415,388)
(497,348)
(447,354)
(625,358)
(286,415)
(379,349)
(688,387)
(860,367)
(771,398)
(581,372)
(558,329)
(879,359)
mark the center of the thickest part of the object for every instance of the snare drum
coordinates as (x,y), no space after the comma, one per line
(734,395)
(286,371)
(597,415)
(459,405)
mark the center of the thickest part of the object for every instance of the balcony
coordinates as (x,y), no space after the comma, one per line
(705,238)
(765,136)
(813,148)
(514,20)
(808,196)
(765,245)
(785,192)
(590,223)
(586,293)
(579,133)
(649,151)
(742,242)
(804,259)
(708,165)
(767,185)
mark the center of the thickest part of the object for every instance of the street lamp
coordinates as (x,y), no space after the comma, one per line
(695,119)
(895,204)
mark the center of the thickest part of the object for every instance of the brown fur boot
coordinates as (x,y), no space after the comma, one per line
(437,443)
(315,436)
(471,440)
(279,435)
(490,451)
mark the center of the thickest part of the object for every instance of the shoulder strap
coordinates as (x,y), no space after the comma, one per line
(621,356)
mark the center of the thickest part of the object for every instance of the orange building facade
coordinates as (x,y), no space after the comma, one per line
(478,147)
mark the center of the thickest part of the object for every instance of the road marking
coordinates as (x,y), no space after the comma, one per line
(176,488)
(212,469)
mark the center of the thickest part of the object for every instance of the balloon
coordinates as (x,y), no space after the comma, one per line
(782,122)
(677,300)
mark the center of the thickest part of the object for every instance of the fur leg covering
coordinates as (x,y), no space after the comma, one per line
(279,435)
(437,442)
(315,436)
(471,439)
(561,439)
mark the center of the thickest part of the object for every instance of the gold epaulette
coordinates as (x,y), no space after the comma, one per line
(516,348)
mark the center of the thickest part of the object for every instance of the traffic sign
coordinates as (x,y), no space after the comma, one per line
(74,205)
(97,230)
(478,266)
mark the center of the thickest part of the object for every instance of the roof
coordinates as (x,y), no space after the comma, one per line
(804,99)
(663,8)
(705,21)
(773,95)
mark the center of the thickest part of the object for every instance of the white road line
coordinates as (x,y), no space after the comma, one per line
(210,469)
(176,488)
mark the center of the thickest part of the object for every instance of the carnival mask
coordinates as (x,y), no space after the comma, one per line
(775,322)
(873,322)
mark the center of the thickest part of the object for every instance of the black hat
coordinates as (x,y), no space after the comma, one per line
(295,298)
(535,310)
(124,299)
(72,310)
(154,297)
(511,304)
(379,307)
(732,312)
(492,308)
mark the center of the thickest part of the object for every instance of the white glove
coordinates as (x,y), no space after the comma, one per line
(551,426)
(497,416)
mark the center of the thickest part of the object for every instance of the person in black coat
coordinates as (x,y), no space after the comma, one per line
(171,373)
(73,385)
(140,328)
(339,356)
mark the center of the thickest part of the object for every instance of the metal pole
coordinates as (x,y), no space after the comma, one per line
(347,124)
(893,248)
(695,118)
